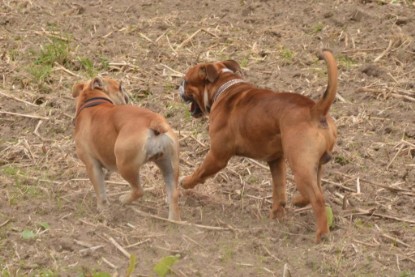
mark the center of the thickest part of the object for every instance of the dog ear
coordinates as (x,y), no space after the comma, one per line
(76,89)
(208,72)
(97,83)
(233,65)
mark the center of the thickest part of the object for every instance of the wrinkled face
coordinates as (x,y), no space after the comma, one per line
(190,90)
(200,83)
(100,87)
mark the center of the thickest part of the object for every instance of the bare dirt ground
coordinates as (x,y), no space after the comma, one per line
(48,220)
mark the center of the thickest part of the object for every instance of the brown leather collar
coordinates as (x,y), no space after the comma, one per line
(91,102)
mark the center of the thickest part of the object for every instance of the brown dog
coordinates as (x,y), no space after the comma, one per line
(118,137)
(261,124)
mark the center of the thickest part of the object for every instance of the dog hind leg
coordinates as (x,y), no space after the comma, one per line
(306,176)
(96,175)
(278,172)
(169,167)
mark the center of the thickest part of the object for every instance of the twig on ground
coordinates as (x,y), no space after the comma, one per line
(394,157)
(286,272)
(137,243)
(176,73)
(384,52)
(182,222)
(36,132)
(145,37)
(5,223)
(25,115)
(395,240)
(108,263)
(186,41)
(61,67)
(118,246)
(17,99)
(371,212)
(91,249)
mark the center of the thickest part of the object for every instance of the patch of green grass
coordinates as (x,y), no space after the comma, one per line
(173,108)
(286,54)
(10,171)
(169,87)
(407,274)
(346,62)
(341,160)
(137,96)
(40,72)
(317,28)
(244,62)
(227,252)
(362,224)
(88,66)
(55,52)
(105,64)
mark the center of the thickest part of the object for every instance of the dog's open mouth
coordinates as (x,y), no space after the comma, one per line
(195,109)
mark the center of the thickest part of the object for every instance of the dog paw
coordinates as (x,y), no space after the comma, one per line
(278,213)
(102,205)
(130,197)
(184,182)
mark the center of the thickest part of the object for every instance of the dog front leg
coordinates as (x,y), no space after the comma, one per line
(212,164)
(278,171)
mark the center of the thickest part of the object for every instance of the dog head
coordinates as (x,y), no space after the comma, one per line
(100,87)
(202,81)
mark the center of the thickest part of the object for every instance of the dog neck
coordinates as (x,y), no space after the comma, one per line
(92,102)
(225,86)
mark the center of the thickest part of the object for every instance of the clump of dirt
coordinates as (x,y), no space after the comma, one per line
(49,225)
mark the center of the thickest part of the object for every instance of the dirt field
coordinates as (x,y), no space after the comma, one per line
(49,225)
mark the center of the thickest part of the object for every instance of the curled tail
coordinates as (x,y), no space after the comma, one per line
(159,126)
(321,108)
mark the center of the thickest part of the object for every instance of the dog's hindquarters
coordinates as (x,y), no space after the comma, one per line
(162,148)
(304,155)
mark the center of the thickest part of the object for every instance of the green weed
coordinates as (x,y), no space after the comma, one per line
(88,66)
(317,28)
(244,62)
(346,62)
(341,160)
(55,52)
(40,72)
(287,55)
(10,171)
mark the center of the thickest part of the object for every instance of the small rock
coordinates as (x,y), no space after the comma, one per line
(372,70)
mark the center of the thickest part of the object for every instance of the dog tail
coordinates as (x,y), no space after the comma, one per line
(159,126)
(321,108)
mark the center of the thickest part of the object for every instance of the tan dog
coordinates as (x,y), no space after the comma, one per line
(118,137)
(265,125)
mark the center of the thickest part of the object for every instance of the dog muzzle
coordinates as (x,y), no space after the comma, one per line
(194,107)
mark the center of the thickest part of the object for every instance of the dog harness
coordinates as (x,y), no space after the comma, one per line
(225,86)
(92,102)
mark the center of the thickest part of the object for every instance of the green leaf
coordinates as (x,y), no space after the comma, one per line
(28,234)
(43,225)
(164,265)
(131,266)
(330,217)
